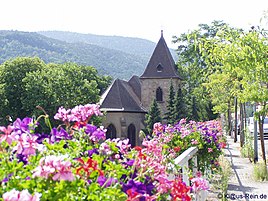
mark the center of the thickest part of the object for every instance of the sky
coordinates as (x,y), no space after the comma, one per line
(131,18)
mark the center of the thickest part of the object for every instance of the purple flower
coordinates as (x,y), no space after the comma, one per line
(59,135)
(98,134)
(22,158)
(41,137)
(143,188)
(130,162)
(6,179)
(25,125)
(92,151)
(90,129)
(108,182)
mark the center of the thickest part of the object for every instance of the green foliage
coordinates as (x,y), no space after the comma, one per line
(29,82)
(179,106)
(170,105)
(260,172)
(194,68)
(12,74)
(153,116)
(247,150)
(221,177)
(238,60)
(194,115)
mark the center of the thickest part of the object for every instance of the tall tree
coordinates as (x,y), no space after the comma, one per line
(11,79)
(243,57)
(194,113)
(152,117)
(180,107)
(193,66)
(170,106)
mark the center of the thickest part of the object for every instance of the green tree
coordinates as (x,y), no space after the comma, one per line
(171,99)
(12,73)
(242,56)
(179,107)
(193,66)
(64,85)
(194,115)
(152,117)
(47,85)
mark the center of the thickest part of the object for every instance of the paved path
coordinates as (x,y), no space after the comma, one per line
(241,185)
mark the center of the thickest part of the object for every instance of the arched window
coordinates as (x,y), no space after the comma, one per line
(111,132)
(159,94)
(131,134)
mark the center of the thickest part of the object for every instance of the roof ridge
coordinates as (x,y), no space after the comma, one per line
(118,89)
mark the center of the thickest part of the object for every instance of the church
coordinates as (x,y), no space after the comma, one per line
(125,103)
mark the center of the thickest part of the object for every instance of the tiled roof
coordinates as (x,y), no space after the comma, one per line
(121,97)
(161,64)
(135,83)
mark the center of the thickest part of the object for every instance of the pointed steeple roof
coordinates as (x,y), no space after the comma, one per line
(161,64)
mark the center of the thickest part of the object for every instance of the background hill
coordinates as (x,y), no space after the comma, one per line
(136,46)
(119,57)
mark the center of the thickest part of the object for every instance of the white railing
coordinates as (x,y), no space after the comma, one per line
(183,161)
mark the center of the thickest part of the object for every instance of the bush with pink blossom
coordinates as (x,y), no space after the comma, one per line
(75,161)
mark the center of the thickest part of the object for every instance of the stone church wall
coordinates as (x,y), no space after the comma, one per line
(122,120)
(148,91)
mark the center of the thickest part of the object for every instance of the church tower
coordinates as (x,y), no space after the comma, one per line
(155,80)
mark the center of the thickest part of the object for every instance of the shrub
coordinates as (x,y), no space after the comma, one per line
(75,161)
(247,150)
(260,172)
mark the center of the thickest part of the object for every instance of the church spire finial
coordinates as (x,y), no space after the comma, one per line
(161,32)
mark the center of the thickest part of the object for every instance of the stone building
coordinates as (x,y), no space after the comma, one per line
(126,102)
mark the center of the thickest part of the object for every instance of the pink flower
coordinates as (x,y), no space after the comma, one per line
(199,183)
(12,195)
(64,172)
(80,113)
(62,114)
(30,145)
(7,136)
(184,132)
(123,145)
(27,144)
(182,121)
(158,128)
(55,167)
(24,195)
(193,141)
(210,150)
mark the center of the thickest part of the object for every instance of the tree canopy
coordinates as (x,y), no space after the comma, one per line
(193,66)
(29,82)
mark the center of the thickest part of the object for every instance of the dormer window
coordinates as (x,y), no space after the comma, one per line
(159,68)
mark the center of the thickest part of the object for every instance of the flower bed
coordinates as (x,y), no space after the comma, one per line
(75,161)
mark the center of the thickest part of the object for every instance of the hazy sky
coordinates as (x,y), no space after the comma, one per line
(134,18)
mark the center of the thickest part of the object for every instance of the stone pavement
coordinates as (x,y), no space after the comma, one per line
(241,185)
